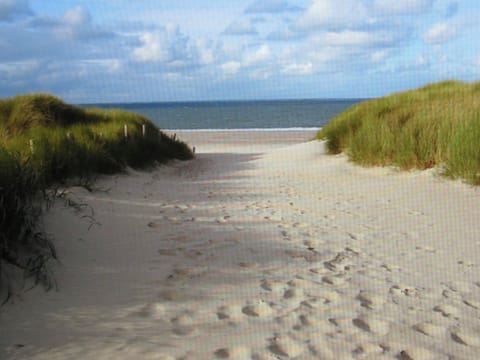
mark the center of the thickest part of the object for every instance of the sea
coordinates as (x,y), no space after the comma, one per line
(239,115)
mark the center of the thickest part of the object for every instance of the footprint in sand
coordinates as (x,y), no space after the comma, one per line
(272,285)
(154,225)
(404,290)
(318,270)
(247,265)
(286,346)
(315,304)
(372,325)
(369,350)
(319,325)
(446,310)
(173,295)
(458,286)
(314,244)
(336,281)
(417,353)
(466,337)
(341,262)
(230,312)
(258,309)
(430,329)
(183,320)
(238,353)
(319,347)
(154,311)
(167,252)
(370,300)
(293,294)
(472,303)
(184,331)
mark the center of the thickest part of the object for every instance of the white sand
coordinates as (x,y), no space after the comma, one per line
(263,247)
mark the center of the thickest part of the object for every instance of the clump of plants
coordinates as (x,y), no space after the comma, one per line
(436,125)
(45,142)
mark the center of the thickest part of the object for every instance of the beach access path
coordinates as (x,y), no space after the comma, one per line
(262,247)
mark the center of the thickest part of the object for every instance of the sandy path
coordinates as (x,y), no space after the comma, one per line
(272,251)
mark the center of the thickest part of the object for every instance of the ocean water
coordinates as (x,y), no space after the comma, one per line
(261,115)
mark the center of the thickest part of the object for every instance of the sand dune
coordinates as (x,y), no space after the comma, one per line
(263,247)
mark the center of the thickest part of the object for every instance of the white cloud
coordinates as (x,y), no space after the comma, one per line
(12,68)
(75,24)
(114,65)
(330,14)
(167,45)
(379,56)
(76,16)
(262,54)
(260,74)
(205,51)
(298,69)
(152,49)
(441,33)
(231,67)
(401,7)
(9,9)
(348,38)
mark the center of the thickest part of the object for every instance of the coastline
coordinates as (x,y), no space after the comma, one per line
(261,247)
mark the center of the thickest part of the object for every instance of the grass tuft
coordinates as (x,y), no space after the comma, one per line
(436,125)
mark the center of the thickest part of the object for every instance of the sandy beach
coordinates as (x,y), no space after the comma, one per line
(262,247)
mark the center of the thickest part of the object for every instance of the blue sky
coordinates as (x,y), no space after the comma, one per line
(173,50)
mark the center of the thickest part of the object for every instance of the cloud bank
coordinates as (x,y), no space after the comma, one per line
(146,51)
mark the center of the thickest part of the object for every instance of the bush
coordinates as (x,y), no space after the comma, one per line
(436,125)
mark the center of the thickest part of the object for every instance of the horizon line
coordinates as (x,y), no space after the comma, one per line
(225,101)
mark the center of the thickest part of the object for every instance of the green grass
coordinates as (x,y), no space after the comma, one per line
(44,142)
(436,125)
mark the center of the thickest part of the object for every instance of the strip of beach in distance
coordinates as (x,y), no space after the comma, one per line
(261,247)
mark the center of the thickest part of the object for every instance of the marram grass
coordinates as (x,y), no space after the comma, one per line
(44,142)
(436,125)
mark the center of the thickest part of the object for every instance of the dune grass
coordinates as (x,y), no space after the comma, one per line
(44,142)
(437,125)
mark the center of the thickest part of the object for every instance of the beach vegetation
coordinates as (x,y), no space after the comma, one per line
(437,125)
(45,142)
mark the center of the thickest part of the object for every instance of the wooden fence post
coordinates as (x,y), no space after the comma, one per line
(125,130)
(144,130)
(31,146)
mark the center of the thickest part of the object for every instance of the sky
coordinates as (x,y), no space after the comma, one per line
(96,51)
